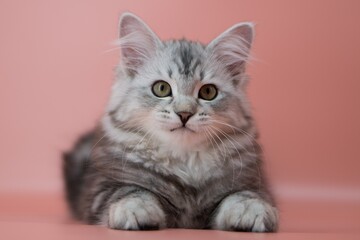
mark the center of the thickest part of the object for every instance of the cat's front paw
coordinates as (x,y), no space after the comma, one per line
(136,212)
(245,211)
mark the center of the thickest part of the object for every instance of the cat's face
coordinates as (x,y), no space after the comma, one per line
(181,93)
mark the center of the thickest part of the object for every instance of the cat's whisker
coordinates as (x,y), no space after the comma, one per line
(248,135)
(252,144)
(231,140)
(133,120)
(242,166)
(126,147)
(139,121)
(209,137)
(214,140)
(224,148)
(92,148)
(230,157)
(233,128)
(111,50)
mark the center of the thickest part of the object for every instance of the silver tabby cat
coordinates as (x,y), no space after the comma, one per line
(177,146)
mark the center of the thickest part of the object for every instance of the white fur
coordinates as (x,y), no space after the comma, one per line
(132,212)
(240,211)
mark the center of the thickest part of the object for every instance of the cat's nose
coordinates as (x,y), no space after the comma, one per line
(184,116)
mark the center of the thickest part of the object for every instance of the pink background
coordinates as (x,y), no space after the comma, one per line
(56,72)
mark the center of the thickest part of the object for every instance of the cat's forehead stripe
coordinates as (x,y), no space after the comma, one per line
(188,57)
(201,75)
(170,72)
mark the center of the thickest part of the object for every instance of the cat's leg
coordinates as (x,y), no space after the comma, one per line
(138,210)
(127,208)
(245,211)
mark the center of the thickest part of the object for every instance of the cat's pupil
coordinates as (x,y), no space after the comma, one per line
(208,91)
(162,87)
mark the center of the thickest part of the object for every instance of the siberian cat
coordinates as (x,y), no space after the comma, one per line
(177,145)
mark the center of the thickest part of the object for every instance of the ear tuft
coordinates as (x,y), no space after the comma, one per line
(137,41)
(232,47)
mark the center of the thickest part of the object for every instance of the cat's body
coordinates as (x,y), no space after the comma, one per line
(177,146)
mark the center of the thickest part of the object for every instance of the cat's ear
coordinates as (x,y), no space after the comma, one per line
(232,47)
(137,42)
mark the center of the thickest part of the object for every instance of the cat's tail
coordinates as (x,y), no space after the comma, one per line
(75,164)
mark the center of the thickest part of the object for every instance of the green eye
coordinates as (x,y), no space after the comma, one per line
(208,92)
(161,89)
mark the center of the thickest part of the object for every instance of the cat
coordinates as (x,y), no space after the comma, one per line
(177,145)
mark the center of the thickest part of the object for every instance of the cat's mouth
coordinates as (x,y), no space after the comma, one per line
(182,129)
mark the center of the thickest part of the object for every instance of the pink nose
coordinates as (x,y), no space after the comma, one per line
(184,116)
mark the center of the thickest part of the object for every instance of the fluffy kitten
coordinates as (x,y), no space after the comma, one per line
(177,146)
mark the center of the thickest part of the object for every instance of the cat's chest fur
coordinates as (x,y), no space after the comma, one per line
(192,167)
(196,170)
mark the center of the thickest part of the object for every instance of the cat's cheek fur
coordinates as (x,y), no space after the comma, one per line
(245,211)
(136,212)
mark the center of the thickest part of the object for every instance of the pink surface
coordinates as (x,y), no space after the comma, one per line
(44,216)
(56,72)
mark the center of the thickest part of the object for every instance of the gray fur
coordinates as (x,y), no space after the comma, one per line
(144,168)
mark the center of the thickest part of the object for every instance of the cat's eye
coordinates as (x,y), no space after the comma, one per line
(161,89)
(208,92)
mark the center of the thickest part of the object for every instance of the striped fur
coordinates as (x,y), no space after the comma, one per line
(143,168)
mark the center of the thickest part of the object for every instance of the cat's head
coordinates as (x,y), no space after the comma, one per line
(179,92)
